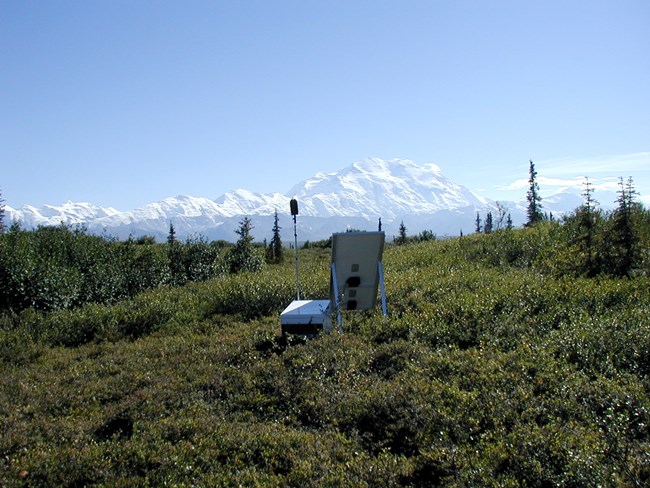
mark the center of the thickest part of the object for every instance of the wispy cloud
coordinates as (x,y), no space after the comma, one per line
(544,181)
(604,173)
(621,164)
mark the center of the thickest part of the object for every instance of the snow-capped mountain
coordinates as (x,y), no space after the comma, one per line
(355,197)
(244,202)
(375,188)
(70,213)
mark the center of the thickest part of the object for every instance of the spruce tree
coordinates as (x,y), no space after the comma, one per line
(477,229)
(534,210)
(582,253)
(171,237)
(243,256)
(587,228)
(274,251)
(401,238)
(487,228)
(174,255)
(623,246)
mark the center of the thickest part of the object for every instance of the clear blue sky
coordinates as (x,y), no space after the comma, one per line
(122,103)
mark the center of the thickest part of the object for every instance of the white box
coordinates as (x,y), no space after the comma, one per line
(306,317)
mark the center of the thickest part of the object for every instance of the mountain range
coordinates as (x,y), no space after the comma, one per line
(357,196)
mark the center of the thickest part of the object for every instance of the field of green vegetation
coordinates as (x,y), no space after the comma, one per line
(515,358)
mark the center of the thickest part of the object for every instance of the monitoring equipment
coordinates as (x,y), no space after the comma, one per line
(356,274)
(306,317)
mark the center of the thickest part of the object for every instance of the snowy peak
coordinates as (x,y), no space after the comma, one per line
(245,202)
(69,213)
(395,168)
(375,187)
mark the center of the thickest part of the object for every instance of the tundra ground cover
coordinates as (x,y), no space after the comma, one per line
(492,369)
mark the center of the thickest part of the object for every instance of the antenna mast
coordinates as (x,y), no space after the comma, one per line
(294,211)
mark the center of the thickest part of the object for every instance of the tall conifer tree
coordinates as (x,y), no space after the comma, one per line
(587,228)
(401,238)
(623,252)
(243,256)
(489,225)
(274,251)
(534,210)
(174,254)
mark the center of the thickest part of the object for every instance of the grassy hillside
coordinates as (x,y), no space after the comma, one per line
(492,369)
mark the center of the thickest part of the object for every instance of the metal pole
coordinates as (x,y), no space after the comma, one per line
(295,237)
(382,288)
(337,297)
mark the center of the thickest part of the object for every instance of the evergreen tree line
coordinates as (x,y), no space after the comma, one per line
(595,242)
(402,238)
(588,242)
(503,220)
(615,243)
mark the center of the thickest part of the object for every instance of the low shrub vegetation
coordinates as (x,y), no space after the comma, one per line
(495,367)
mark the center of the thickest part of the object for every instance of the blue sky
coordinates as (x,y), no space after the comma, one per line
(123,103)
